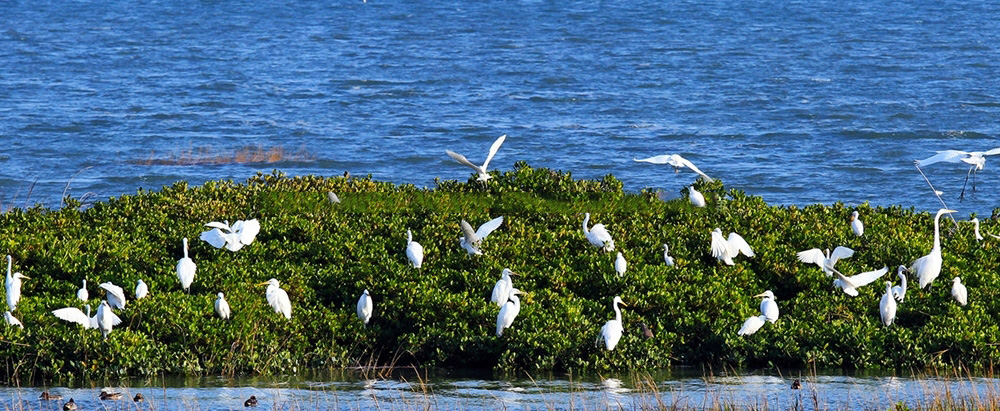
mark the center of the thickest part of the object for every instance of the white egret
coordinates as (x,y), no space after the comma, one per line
(106,319)
(186,269)
(727,249)
(696,197)
(851,284)
(222,307)
(975,221)
(827,261)
(768,308)
(666,256)
(330,195)
(278,298)
(471,240)
(12,320)
(82,293)
(141,290)
(928,267)
(74,315)
(482,171)
(959,291)
(114,294)
(620,264)
(611,332)
(502,288)
(13,285)
(899,291)
(975,159)
(509,311)
(232,237)
(414,251)
(856,225)
(677,162)
(598,235)
(752,324)
(887,307)
(365,307)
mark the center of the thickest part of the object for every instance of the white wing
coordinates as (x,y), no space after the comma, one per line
(948,156)
(73,315)
(116,295)
(662,159)
(840,252)
(488,227)
(493,152)
(769,309)
(992,152)
(720,249)
(812,256)
(221,226)
(751,325)
(500,292)
(278,299)
(470,236)
(247,230)
(863,279)
(686,163)
(215,237)
(737,245)
(461,159)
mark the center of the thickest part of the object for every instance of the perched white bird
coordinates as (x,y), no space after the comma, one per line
(666,256)
(611,332)
(827,261)
(887,307)
(677,162)
(928,267)
(509,311)
(330,195)
(856,225)
(899,291)
(975,159)
(114,294)
(414,251)
(768,308)
(74,315)
(12,320)
(975,220)
(959,291)
(727,249)
(141,290)
(186,269)
(752,324)
(620,264)
(696,197)
(482,171)
(471,240)
(598,235)
(233,238)
(365,307)
(851,284)
(13,285)
(222,307)
(106,319)
(277,298)
(82,293)
(502,288)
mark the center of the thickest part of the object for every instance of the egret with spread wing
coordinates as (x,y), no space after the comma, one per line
(851,284)
(232,237)
(728,249)
(114,294)
(975,159)
(481,170)
(677,162)
(827,261)
(472,240)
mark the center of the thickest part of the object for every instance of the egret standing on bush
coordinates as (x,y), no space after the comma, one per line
(365,307)
(856,225)
(899,291)
(277,298)
(959,291)
(928,267)
(666,256)
(82,293)
(768,308)
(509,311)
(620,264)
(106,319)
(887,307)
(611,332)
(141,290)
(697,198)
(222,307)
(501,290)
(598,235)
(186,269)
(13,285)
(414,251)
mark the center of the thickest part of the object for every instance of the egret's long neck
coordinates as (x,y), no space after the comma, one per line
(937,231)
(185,248)
(9,264)
(516,301)
(88,310)
(618,313)
(903,278)
(586,219)
(409,237)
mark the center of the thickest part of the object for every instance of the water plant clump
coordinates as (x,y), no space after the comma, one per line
(326,254)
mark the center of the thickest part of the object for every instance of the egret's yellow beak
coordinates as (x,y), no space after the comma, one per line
(513,273)
(264,283)
(760,295)
(623,304)
(950,211)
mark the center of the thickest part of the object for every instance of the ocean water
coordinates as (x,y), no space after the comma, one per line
(799,102)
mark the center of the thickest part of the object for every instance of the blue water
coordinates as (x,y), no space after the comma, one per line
(799,102)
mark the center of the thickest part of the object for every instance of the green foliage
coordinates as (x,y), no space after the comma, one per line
(326,254)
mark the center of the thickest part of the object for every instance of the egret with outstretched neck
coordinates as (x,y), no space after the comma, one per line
(928,267)
(611,332)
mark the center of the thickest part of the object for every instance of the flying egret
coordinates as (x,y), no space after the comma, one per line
(928,267)
(106,319)
(899,291)
(141,290)
(222,307)
(82,293)
(185,269)
(12,320)
(696,197)
(598,235)
(768,308)
(752,324)
(620,264)
(856,225)
(509,311)
(975,220)
(414,251)
(975,159)
(959,291)
(727,249)
(887,307)
(13,285)
(825,262)
(277,298)
(666,256)
(232,237)
(114,294)
(482,171)
(851,284)
(74,315)
(612,330)
(677,162)
(502,288)
(365,307)
(471,240)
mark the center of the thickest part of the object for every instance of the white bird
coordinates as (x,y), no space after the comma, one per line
(899,291)
(186,269)
(928,267)
(471,240)
(509,311)
(12,320)
(856,225)
(502,288)
(414,251)
(141,290)
(277,298)
(82,293)
(727,249)
(959,291)
(696,197)
(74,315)
(13,285)
(975,159)
(114,294)
(827,261)
(620,264)
(106,319)
(666,256)
(768,308)
(598,235)
(851,284)
(611,332)
(365,307)
(233,238)
(752,324)
(222,307)
(482,171)
(975,220)
(887,307)
(677,162)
